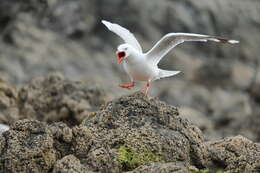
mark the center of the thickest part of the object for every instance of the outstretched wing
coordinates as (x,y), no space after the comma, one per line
(169,41)
(125,34)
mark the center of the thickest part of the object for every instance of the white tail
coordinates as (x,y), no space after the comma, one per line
(166,73)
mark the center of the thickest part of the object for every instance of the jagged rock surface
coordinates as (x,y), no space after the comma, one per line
(146,127)
(54,99)
(28,146)
(235,154)
(132,133)
(50,99)
(219,83)
(8,103)
(67,36)
(161,168)
(69,164)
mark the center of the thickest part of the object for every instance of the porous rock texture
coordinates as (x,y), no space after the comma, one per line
(218,89)
(8,103)
(27,147)
(39,37)
(50,99)
(133,133)
(161,168)
(53,99)
(145,127)
(69,164)
(235,153)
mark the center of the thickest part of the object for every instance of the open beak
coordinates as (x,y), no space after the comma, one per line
(121,56)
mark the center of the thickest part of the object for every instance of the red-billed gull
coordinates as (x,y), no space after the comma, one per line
(144,66)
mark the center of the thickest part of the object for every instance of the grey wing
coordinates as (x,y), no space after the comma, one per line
(125,34)
(169,41)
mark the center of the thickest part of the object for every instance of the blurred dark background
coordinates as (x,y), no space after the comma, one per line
(218,89)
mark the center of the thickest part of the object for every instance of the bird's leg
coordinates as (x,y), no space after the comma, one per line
(128,86)
(148,85)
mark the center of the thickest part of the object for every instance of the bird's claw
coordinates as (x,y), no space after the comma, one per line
(127,86)
(145,91)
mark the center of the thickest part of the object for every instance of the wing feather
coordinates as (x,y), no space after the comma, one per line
(125,34)
(169,41)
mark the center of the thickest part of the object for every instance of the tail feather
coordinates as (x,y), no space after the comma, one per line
(167,73)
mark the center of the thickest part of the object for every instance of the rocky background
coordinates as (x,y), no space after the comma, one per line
(218,89)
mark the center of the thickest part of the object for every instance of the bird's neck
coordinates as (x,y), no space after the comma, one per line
(135,57)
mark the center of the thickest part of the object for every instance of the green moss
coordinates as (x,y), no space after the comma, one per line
(129,159)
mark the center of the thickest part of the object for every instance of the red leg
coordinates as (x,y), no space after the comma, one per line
(128,86)
(148,85)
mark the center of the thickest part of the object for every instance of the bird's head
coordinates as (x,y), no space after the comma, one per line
(123,51)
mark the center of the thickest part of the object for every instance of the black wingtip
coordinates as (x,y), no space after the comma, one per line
(225,41)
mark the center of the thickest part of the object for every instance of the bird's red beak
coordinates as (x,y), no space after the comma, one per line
(121,56)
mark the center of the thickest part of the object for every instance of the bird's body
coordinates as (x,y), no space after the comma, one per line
(144,66)
(138,68)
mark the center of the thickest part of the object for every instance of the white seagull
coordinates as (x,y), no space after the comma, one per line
(144,66)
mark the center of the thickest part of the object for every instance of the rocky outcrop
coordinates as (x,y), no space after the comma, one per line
(162,168)
(218,90)
(8,103)
(54,99)
(237,154)
(133,130)
(38,37)
(28,146)
(133,133)
(50,99)
(70,164)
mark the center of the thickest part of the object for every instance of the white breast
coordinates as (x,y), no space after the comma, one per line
(139,69)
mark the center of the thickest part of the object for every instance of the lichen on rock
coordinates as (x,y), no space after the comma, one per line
(130,159)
